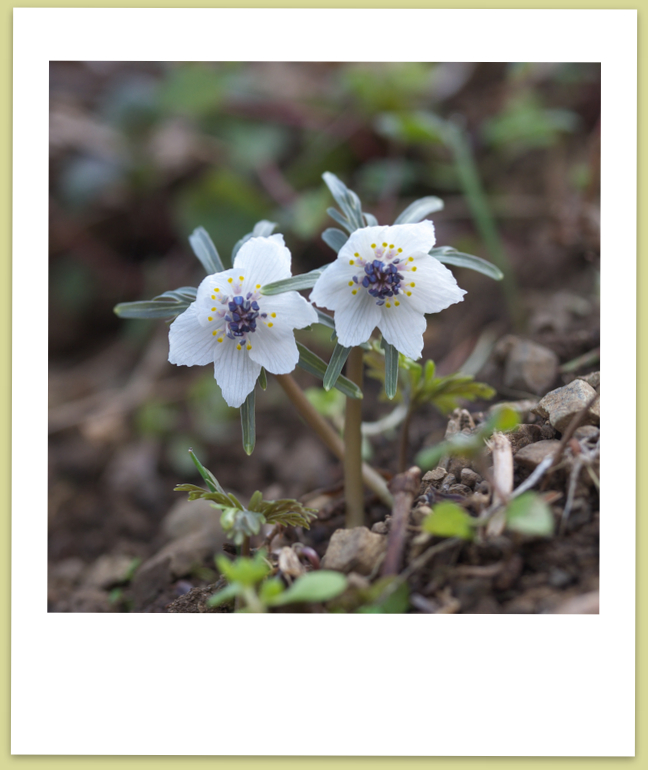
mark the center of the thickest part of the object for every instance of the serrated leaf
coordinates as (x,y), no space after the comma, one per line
(262,229)
(318,586)
(203,247)
(248,423)
(391,369)
(166,305)
(418,210)
(334,238)
(450,256)
(448,520)
(313,364)
(295,283)
(334,368)
(530,515)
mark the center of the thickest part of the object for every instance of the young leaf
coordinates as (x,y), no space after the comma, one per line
(347,200)
(338,359)
(225,595)
(203,247)
(255,501)
(341,220)
(263,379)
(248,426)
(391,369)
(448,520)
(313,364)
(167,305)
(370,219)
(262,229)
(296,283)
(418,210)
(334,238)
(450,256)
(208,476)
(318,586)
(530,515)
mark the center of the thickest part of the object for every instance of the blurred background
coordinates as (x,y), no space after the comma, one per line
(141,153)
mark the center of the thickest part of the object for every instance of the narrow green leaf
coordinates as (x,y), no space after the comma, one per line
(204,249)
(338,359)
(208,476)
(262,229)
(530,515)
(263,379)
(166,305)
(340,219)
(418,210)
(391,369)
(296,283)
(255,501)
(314,365)
(370,219)
(346,199)
(248,426)
(318,586)
(450,256)
(324,319)
(334,238)
(448,520)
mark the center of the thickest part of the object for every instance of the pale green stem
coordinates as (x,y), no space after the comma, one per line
(353,486)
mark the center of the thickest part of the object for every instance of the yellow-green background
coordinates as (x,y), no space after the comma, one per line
(316,763)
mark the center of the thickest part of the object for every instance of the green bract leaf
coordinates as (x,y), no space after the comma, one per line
(334,238)
(338,359)
(391,369)
(244,570)
(255,501)
(239,524)
(263,379)
(270,589)
(314,365)
(167,305)
(530,515)
(448,520)
(370,219)
(287,512)
(296,283)
(318,586)
(248,425)
(418,210)
(335,214)
(450,256)
(208,476)
(324,319)
(262,229)
(205,250)
(347,200)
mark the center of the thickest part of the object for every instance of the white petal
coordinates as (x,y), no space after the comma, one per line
(266,259)
(435,288)
(360,242)
(355,318)
(235,372)
(403,328)
(332,287)
(290,310)
(415,238)
(189,343)
(211,291)
(274,348)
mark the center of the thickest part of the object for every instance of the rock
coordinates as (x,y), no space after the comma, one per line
(108,570)
(419,513)
(469,478)
(459,489)
(357,550)
(532,455)
(524,435)
(435,476)
(457,464)
(175,560)
(187,516)
(586,432)
(593,379)
(530,367)
(560,406)
(448,481)
(196,599)
(380,528)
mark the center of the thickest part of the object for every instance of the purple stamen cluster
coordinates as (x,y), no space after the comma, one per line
(382,280)
(241,319)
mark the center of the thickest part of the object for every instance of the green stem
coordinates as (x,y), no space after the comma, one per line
(329,436)
(353,486)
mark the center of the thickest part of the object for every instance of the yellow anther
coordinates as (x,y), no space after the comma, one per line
(238,347)
(213,297)
(352,262)
(373,245)
(396,303)
(355,291)
(258,286)
(240,277)
(412,284)
(400,251)
(270,324)
(391,245)
(387,304)
(350,283)
(356,254)
(384,244)
(410,259)
(210,318)
(273,315)
(213,309)
(230,280)
(409,293)
(220,339)
(414,269)
(214,332)
(217,289)
(249,347)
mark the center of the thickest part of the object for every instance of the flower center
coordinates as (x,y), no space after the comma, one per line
(242,315)
(382,280)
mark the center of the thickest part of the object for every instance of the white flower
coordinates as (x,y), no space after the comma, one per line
(238,329)
(384,277)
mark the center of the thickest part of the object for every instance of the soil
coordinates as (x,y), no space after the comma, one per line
(122,418)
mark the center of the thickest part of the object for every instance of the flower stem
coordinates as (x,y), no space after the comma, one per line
(404,441)
(329,436)
(353,487)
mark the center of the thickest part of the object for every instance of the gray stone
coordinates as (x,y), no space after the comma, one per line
(381,528)
(459,489)
(530,367)
(532,455)
(470,478)
(187,516)
(560,406)
(357,550)
(108,570)
(435,476)
(593,379)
